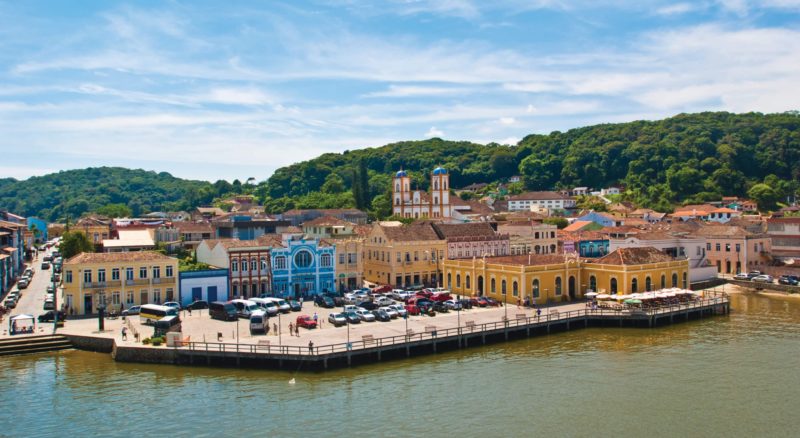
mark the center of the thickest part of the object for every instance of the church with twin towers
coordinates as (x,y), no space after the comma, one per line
(418,204)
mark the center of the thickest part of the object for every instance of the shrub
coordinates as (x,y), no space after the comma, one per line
(146,341)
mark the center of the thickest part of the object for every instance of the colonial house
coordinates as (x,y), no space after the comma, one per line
(246,227)
(530,237)
(348,240)
(95,228)
(303,267)
(785,235)
(544,200)
(602,219)
(559,277)
(404,255)
(118,280)
(12,252)
(248,263)
(733,249)
(472,239)
(584,243)
(675,244)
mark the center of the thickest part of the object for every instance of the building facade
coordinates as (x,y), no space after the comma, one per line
(472,239)
(404,255)
(248,263)
(785,235)
(208,285)
(246,227)
(118,280)
(12,252)
(541,200)
(733,249)
(553,278)
(95,228)
(303,267)
(530,237)
(417,204)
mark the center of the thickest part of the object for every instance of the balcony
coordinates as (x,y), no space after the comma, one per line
(141,281)
(101,284)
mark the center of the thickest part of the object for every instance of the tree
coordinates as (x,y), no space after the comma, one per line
(382,206)
(560,222)
(333,184)
(765,196)
(74,243)
(114,210)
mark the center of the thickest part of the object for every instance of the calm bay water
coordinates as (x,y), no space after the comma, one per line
(723,376)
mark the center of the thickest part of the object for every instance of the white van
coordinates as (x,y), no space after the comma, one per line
(258,322)
(244,308)
(283,306)
(268,306)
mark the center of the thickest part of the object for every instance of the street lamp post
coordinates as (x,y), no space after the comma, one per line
(280,327)
(101,307)
(55,302)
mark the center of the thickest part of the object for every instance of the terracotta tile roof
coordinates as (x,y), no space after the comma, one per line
(581,235)
(327,221)
(469,229)
(7,224)
(723,231)
(634,256)
(411,232)
(194,227)
(293,230)
(363,230)
(475,207)
(577,226)
(724,210)
(537,196)
(119,257)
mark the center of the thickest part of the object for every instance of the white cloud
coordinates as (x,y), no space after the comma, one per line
(417,91)
(676,9)
(509,140)
(507,120)
(433,132)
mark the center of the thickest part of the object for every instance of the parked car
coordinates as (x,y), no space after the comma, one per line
(466,303)
(390,312)
(49,315)
(480,301)
(412,309)
(198,304)
(742,276)
(763,279)
(383,301)
(223,311)
(337,319)
(381,315)
(244,308)
(791,280)
(324,301)
(337,300)
(367,305)
(22,284)
(49,305)
(753,274)
(47,258)
(306,321)
(174,304)
(133,310)
(45,265)
(295,306)
(270,307)
(399,308)
(440,307)
(382,289)
(258,322)
(50,289)
(352,317)
(453,304)
(441,297)
(10,303)
(365,315)
(491,302)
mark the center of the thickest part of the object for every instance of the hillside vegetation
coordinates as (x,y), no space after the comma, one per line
(687,158)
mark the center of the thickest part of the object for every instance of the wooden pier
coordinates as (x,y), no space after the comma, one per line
(432,340)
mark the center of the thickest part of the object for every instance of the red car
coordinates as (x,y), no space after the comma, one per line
(382,289)
(306,321)
(441,297)
(482,302)
(424,293)
(412,309)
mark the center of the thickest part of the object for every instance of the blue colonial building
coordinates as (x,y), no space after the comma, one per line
(12,249)
(41,227)
(303,267)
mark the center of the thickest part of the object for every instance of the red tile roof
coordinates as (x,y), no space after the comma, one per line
(119,257)
(634,256)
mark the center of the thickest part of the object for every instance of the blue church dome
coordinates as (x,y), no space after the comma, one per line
(440,171)
(400,174)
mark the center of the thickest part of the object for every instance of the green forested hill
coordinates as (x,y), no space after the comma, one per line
(686,158)
(75,192)
(689,158)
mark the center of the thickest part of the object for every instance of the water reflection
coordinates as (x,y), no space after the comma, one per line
(730,375)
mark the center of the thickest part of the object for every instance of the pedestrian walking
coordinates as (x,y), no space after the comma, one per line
(518,302)
(538,313)
(291,328)
(124,333)
(297,330)
(275,328)
(310,347)
(315,317)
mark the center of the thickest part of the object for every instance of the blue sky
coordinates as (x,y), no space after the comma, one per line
(234,89)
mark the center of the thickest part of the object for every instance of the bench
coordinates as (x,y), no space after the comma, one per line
(410,332)
(522,316)
(368,339)
(430,328)
(262,343)
(470,325)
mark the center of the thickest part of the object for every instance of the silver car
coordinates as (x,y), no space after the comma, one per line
(365,315)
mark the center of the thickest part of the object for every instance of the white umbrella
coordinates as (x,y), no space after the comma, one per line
(590,294)
(603,296)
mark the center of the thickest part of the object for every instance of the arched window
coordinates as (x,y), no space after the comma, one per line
(674,280)
(396,187)
(243,265)
(458,281)
(593,283)
(263,263)
(663,281)
(685,285)
(493,286)
(634,286)
(244,289)
(303,259)
(613,286)
(253,264)
(536,288)
(558,286)
(536,249)
(466,281)
(648,284)
(503,287)
(449,280)
(235,266)
(515,289)
(552,249)
(536,235)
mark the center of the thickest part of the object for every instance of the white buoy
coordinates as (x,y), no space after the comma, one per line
(291,382)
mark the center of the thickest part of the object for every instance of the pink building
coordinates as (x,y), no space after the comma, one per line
(472,239)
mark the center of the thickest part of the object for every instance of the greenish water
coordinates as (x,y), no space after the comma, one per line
(723,376)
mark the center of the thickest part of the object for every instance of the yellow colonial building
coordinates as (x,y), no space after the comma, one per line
(563,277)
(404,255)
(121,280)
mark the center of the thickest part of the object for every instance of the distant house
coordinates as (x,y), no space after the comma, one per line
(603,219)
(298,217)
(207,213)
(610,191)
(476,187)
(514,179)
(580,191)
(246,227)
(548,200)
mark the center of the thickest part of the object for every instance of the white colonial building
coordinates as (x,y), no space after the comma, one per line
(419,204)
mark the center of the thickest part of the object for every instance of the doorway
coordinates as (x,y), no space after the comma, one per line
(87,304)
(571,288)
(480,285)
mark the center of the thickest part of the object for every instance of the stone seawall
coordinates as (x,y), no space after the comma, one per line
(707,284)
(767,286)
(102,345)
(156,355)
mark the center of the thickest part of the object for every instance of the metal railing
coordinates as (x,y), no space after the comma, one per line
(553,316)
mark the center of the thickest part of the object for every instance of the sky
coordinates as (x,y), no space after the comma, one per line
(235,89)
